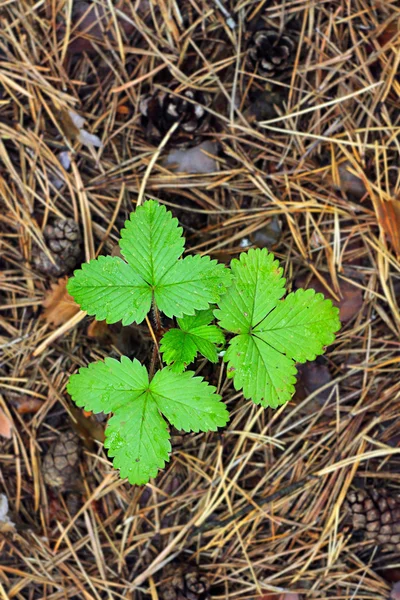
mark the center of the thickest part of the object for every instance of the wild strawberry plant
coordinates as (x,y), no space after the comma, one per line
(270,334)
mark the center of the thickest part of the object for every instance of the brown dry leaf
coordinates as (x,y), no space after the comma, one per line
(72,125)
(388,214)
(5,425)
(100,331)
(390,32)
(60,306)
(23,403)
(27,405)
(88,427)
(351,296)
(68,125)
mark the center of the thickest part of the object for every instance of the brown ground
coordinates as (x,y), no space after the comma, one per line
(259,506)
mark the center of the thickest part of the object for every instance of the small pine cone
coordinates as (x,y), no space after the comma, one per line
(270,52)
(63,239)
(160,111)
(184,582)
(60,464)
(376,513)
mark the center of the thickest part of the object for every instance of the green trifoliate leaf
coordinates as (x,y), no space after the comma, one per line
(152,244)
(195,334)
(274,334)
(137,434)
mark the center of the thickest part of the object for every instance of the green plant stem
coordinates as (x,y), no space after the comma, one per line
(157,320)
(158,333)
(152,367)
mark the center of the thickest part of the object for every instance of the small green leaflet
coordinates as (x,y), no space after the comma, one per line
(112,290)
(137,434)
(258,285)
(272,334)
(195,334)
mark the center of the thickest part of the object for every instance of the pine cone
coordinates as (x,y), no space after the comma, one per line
(63,239)
(376,513)
(60,464)
(160,111)
(184,582)
(270,52)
